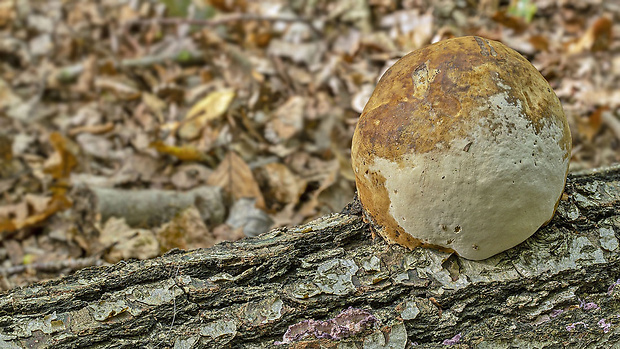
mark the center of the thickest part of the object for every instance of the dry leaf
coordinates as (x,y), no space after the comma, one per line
(154,104)
(37,203)
(121,89)
(235,177)
(86,79)
(185,153)
(361,97)
(126,242)
(287,120)
(411,28)
(61,166)
(32,211)
(211,107)
(92,129)
(6,149)
(10,214)
(7,97)
(15,251)
(346,171)
(597,38)
(7,12)
(613,123)
(245,215)
(98,146)
(309,53)
(281,183)
(539,42)
(516,23)
(590,126)
(59,202)
(225,232)
(186,231)
(137,167)
(189,176)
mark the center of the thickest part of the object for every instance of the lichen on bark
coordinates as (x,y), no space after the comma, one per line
(557,289)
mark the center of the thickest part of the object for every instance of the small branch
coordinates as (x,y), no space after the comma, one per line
(225,19)
(70,73)
(53,266)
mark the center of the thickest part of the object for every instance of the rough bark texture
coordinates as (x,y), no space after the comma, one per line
(558,289)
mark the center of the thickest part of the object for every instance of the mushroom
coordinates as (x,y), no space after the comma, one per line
(463,146)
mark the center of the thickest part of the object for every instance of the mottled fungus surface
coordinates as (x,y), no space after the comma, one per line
(463,146)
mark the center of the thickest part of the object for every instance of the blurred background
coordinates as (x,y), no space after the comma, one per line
(131,127)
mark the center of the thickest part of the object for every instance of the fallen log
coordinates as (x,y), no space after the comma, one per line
(331,285)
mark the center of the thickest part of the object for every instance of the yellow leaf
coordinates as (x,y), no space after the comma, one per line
(211,107)
(185,153)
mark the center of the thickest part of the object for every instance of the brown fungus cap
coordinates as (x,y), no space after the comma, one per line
(462,146)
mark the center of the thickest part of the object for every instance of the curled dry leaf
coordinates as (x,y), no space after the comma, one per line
(86,80)
(32,211)
(596,38)
(63,161)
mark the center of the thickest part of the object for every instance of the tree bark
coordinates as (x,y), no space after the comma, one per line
(558,289)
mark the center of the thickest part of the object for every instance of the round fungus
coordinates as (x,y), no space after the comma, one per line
(463,146)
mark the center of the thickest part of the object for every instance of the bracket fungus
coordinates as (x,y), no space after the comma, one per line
(463,146)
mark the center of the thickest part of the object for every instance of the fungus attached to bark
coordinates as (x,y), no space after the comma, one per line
(462,146)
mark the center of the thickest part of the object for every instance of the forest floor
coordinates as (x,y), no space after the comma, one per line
(137,102)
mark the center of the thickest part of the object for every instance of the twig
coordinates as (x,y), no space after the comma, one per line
(174,306)
(53,266)
(224,19)
(69,73)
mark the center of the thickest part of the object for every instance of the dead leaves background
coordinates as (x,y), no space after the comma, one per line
(130,128)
